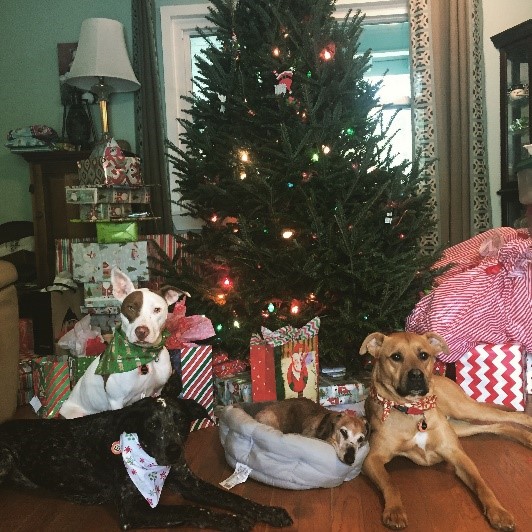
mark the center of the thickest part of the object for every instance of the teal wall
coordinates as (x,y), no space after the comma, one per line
(29,87)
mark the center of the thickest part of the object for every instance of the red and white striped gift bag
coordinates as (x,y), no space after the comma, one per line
(494,373)
(487,303)
(196,375)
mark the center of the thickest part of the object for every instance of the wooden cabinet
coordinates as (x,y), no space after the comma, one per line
(515,48)
(50,172)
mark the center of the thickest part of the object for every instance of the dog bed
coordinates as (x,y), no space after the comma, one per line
(288,461)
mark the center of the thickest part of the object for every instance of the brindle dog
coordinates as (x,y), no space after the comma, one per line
(74,459)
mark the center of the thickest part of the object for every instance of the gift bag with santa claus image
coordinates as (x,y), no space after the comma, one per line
(285,363)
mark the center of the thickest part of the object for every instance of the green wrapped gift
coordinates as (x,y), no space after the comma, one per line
(116,232)
(51,382)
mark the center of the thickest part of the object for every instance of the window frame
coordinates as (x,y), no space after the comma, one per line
(179,23)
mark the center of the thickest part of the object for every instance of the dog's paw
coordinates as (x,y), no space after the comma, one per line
(274,516)
(500,519)
(395,518)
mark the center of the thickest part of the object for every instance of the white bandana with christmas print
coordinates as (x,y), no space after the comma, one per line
(143,470)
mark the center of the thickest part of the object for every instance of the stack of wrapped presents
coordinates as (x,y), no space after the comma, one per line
(482,306)
(111,194)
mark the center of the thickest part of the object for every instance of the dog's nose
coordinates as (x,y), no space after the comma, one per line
(415,375)
(142,332)
(349,456)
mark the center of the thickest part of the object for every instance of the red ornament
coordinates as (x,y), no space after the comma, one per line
(401,236)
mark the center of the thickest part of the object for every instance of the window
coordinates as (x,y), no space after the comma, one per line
(390,44)
(385,32)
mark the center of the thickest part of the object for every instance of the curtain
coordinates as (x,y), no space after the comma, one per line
(449,115)
(149,117)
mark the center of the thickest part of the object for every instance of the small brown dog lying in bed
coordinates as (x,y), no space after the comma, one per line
(345,432)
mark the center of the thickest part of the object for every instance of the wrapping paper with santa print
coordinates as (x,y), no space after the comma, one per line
(490,302)
(185,330)
(285,363)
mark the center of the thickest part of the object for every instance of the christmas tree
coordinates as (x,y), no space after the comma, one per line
(285,159)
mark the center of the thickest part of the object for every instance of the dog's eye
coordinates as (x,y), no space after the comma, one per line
(397,357)
(157,310)
(423,355)
(343,432)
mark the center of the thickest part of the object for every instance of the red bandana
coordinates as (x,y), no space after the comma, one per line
(417,408)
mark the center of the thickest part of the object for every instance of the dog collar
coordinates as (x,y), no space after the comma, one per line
(121,355)
(417,408)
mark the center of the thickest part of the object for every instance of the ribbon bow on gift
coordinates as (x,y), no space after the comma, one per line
(184,330)
(286,334)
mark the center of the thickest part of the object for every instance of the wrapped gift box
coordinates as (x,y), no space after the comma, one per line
(529,373)
(116,232)
(195,365)
(25,336)
(284,363)
(233,389)
(99,171)
(94,195)
(51,384)
(25,382)
(340,391)
(100,294)
(494,373)
(93,262)
(104,211)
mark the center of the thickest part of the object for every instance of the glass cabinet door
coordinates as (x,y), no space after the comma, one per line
(515,48)
(518,113)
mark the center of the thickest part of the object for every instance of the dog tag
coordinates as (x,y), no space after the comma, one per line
(422,425)
(116,448)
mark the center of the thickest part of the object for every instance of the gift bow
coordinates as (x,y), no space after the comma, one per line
(185,330)
(286,334)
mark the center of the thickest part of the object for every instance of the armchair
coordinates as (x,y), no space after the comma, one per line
(9,340)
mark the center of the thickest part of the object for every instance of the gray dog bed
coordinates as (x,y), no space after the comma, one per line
(288,461)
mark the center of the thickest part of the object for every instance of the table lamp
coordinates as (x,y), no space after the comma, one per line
(101,64)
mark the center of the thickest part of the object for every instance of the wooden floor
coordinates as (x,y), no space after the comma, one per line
(436,501)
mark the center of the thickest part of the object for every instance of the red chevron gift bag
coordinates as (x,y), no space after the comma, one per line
(494,373)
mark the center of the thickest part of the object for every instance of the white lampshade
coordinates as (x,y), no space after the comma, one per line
(102,53)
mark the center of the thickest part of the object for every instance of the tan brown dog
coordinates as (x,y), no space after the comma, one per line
(346,433)
(408,410)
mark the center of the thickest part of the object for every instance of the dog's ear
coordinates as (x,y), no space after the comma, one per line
(173,386)
(326,427)
(194,410)
(372,344)
(437,341)
(122,285)
(172,294)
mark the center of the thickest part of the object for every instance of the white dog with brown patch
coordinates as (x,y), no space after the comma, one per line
(136,364)
(346,433)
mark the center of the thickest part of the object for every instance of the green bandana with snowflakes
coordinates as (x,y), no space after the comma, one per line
(122,355)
